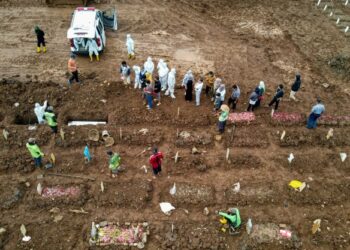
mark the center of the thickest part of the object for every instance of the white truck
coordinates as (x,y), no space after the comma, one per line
(90,23)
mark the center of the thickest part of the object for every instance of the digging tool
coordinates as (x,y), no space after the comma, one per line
(71,176)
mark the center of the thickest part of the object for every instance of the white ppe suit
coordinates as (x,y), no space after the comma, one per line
(198,89)
(149,65)
(91,45)
(171,83)
(137,71)
(163,71)
(39,112)
(130,45)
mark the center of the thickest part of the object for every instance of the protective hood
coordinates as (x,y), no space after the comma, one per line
(149,66)
(136,68)
(262,85)
(161,64)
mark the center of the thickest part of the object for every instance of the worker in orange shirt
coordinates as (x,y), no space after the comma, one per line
(72,67)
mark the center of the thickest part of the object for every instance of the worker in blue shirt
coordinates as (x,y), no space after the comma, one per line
(316,112)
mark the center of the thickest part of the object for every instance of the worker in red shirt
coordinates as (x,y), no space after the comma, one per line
(156,161)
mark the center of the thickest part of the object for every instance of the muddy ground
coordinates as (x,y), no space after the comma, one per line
(242,42)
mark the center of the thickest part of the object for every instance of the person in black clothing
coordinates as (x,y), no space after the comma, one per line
(40,39)
(277,97)
(143,79)
(189,90)
(295,87)
(157,89)
(253,98)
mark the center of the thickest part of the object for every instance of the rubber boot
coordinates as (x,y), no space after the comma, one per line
(44,49)
(90,58)
(98,58)
(38,49)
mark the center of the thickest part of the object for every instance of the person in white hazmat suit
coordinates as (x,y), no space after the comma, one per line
(39,112)
(149,65)
(79,42)
(91,45)
(130,45)
(137,71)
(198,89)
(171,83)
(163,71)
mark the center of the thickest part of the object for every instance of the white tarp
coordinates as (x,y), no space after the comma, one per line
(82,123)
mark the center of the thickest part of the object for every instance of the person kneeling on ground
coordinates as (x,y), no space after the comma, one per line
(156,162)
(114,163)
(51,119)
(232,217)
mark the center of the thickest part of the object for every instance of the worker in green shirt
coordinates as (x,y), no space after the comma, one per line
(114,163)
(223,117)
(50,118)
(232,217)
(35,151)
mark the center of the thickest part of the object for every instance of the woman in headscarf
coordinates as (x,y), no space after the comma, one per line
(261,93)
(216,85)
(223,117)
(222,90)
(189,89)
(253,98)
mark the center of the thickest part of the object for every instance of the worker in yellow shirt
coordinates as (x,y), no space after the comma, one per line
(35,152)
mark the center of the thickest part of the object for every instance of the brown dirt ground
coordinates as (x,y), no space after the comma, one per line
(241,41)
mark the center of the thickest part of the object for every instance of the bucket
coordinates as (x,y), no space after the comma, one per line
(105,134)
